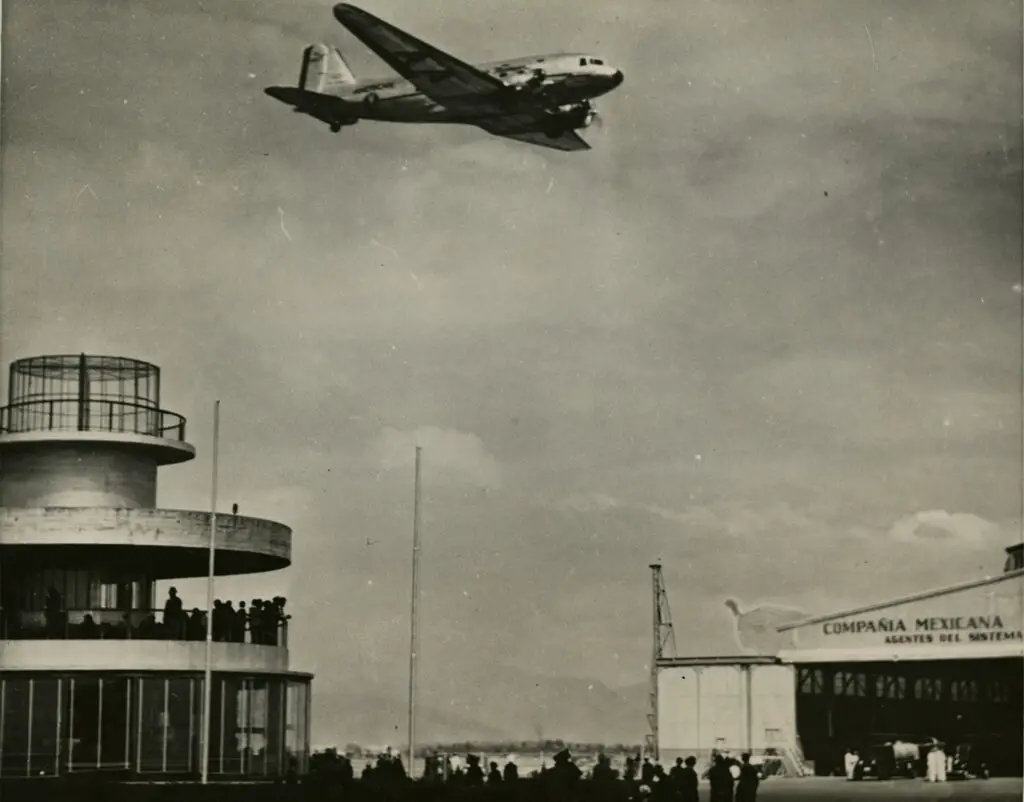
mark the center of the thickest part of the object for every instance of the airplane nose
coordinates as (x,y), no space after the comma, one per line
(618,78)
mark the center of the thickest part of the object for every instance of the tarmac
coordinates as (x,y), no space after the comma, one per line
(837,789)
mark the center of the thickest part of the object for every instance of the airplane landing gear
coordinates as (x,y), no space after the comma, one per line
(335,127)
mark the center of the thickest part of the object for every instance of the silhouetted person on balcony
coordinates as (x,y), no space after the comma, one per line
(266,622)
(256,621)
(174,616)
(196,627)
(88,629)
(241,620)
(218,620)
(53,612)
(230,625)
(148,627)
(511,770)
(647,772)
(280,618)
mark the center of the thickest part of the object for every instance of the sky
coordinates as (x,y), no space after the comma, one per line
(767,332)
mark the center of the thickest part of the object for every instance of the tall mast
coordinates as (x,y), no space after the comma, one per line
(211,570)
(414,617)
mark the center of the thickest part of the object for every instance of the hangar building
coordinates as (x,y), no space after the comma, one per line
(948,663)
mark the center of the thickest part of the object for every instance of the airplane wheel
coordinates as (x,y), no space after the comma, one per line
(335,127)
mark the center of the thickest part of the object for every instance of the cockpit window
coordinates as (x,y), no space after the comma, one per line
(583,62)
(597,61)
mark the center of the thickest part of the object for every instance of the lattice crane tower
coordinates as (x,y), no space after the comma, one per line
(663,644)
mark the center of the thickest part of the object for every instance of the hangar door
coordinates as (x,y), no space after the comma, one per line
(855,705)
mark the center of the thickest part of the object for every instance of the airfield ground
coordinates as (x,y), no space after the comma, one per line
(829,789)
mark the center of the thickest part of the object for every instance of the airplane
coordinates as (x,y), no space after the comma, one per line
(540,100)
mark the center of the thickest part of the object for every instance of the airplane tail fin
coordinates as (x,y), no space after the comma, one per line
(324,69)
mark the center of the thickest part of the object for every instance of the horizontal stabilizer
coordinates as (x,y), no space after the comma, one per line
(326,108)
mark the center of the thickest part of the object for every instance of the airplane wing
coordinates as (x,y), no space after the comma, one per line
(445,79)
(568,140)
(527,128)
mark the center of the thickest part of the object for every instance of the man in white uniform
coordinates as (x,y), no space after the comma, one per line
(936,761)
(850,761)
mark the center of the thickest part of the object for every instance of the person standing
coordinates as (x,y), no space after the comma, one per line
(749,780)
(688,783)
(850,761)
(721,780)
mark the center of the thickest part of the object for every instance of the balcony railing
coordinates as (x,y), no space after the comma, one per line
(98,415)
(106,624)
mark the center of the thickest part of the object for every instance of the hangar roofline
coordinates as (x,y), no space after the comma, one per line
(744,659)
(920,596)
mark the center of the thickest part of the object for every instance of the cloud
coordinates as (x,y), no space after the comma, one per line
(956,530)
(728,518)
(448,455)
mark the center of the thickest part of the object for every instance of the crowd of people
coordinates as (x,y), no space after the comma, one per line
(729,780)
(263,620)
(260,622)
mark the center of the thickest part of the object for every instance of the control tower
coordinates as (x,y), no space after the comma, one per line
(96,674)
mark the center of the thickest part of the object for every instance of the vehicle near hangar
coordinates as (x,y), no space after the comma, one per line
(890,759)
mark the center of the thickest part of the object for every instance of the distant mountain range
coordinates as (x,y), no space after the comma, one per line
(507,704)
(470,702)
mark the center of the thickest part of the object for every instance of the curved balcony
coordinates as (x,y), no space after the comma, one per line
(165,544)
(69,419)
(96,415)
(141,640)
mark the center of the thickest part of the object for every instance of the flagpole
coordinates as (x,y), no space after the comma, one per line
(413,636)
(208,673)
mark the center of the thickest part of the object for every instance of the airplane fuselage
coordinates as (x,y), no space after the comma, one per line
(565,77)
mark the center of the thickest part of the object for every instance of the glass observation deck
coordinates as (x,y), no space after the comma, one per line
(106,624)
(69,393)
(92,603)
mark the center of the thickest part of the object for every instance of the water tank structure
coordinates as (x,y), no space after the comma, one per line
(96,673)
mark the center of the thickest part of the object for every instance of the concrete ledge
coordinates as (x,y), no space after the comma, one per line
(168,452)
(257,544)
(139,655)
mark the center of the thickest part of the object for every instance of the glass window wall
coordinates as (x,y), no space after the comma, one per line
(152,725)
(180,742)
(44,727)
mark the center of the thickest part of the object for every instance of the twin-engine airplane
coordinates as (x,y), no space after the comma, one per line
(541,100)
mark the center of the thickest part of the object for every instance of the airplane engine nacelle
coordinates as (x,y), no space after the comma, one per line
(577,115)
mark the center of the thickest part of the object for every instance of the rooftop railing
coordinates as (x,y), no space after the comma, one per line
(107,624)
(98,415)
